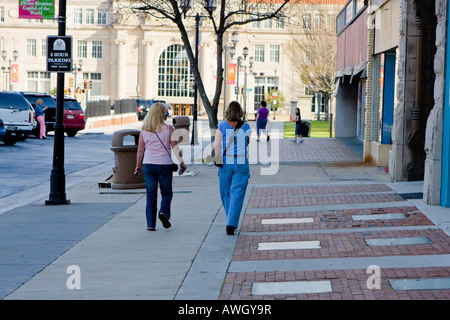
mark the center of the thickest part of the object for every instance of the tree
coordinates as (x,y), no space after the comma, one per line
(229,14)
(313,51)
(279,101)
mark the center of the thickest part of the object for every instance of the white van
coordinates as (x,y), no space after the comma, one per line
(18,116)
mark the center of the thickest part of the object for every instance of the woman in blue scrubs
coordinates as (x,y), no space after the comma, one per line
(235,172)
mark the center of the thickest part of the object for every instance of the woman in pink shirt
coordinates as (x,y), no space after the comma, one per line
(154,160)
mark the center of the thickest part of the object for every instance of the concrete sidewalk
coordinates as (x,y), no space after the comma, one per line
(100,240)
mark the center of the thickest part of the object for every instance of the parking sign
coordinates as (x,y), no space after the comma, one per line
(59,54)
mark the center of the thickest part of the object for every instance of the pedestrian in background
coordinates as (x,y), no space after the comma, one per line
(261,120)
(154,160)
(298,126)
(40,117)
(79,96)
(231,142)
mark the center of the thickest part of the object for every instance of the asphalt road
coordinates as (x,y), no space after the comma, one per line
(29,163)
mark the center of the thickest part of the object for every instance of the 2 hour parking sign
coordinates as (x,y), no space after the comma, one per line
(59,54)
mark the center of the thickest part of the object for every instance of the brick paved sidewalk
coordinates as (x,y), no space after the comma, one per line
(282,259)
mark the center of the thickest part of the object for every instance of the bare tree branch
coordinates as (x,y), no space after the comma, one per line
(230,13)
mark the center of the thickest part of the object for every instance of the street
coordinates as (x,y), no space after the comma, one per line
(28,163)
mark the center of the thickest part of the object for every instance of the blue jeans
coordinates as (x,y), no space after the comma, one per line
(261,125)
(155,174)
(233,180)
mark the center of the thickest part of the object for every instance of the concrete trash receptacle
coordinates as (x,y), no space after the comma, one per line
(181,129)
(125,161)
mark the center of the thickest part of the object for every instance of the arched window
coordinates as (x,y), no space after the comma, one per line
(174,73)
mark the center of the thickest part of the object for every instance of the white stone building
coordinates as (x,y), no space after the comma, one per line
(126,57)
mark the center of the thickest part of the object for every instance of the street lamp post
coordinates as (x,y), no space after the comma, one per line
(240,62)
(232,50)
(4,56)
(57,194)
(75,72)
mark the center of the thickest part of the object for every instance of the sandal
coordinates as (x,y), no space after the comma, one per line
(164,220)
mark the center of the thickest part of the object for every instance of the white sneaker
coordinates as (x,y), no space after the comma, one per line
(301,140)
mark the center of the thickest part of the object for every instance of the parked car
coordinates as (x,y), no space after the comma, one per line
(50,112)
(18,117)
(2,130)
(169,110)
(74,117)
(145,104)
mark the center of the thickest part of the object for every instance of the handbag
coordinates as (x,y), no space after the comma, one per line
(174,165)
(218,160)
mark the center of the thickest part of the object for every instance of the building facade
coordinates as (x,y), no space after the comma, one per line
(134,56)
(406,103)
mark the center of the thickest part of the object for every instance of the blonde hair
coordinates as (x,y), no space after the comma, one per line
(234,111)
(154,118)
(39,101)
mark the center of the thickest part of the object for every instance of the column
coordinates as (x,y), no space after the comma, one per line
(148,82)
(121,69)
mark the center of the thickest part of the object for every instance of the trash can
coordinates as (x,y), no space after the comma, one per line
(125,161)
(181,129)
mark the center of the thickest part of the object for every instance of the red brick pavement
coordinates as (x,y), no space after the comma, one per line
(289,201)
(318,190)
(316,150)
(341,245)
(346,284)
(331,219)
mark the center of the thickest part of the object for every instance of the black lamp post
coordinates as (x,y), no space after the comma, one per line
(57,178)
(240,63)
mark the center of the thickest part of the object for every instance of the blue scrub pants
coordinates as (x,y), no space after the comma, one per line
(233,180)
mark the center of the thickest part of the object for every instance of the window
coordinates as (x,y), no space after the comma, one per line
(174,73)
(330,22)
(268,24)
(101,17)
(82,49)
(272,84)
(360,4)
(97,48)
(38,81)
(89,16)
(306,19)
(31,47)
(259,91)
(78,16)
(318,18)
(274,53)
(44,47)
(256,24)
(259,53)
(2,14)
(280,23)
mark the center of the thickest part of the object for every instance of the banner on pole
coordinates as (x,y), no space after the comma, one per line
(14,73)
(231,73)
(37,9)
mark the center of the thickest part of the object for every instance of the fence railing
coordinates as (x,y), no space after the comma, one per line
(98,109)
(103,108)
